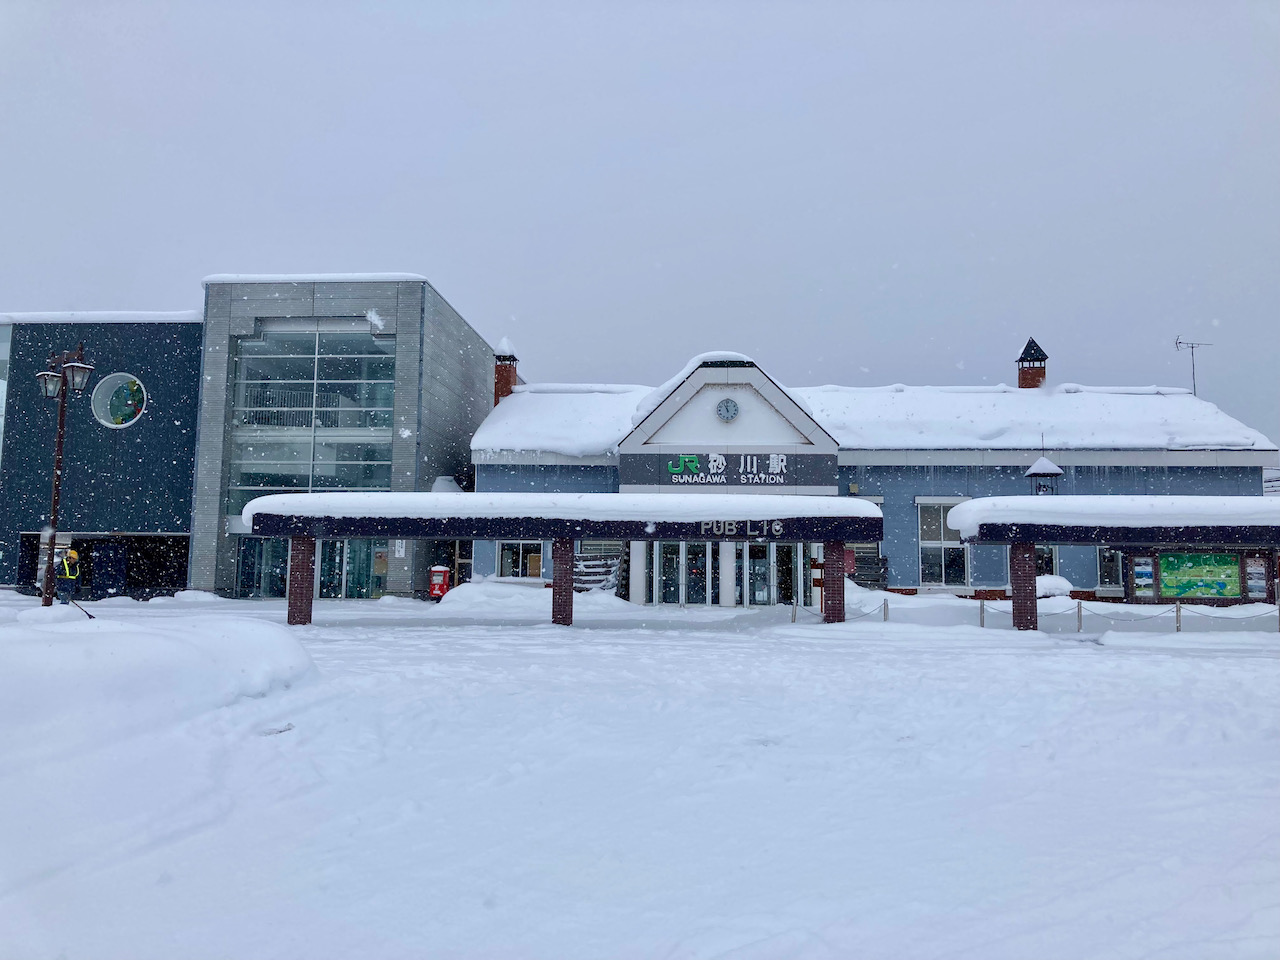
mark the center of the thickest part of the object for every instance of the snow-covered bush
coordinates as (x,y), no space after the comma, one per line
(1051,586)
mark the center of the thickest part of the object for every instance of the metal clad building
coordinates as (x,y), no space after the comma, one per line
(130,442)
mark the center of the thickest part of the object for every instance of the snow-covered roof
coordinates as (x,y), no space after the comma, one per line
(569,419)
(106,316)
(309,277)
(641,507)
(1115,511)
(1067,417)
(579,420)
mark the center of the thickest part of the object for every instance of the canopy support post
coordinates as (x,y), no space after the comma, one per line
(302,579)
(1022,578)
(562,581)
(833,581)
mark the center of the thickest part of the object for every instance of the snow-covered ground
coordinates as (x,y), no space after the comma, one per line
(180,779)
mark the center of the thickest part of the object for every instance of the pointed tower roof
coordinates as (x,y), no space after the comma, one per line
(1033,353)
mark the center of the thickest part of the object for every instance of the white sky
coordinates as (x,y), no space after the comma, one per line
(856,193)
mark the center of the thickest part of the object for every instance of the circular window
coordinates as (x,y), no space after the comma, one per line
(118,400)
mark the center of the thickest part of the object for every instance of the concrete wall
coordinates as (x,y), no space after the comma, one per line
(444,388)
(455,394)
(132,480)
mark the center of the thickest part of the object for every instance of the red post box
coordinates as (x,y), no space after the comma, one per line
(437,582)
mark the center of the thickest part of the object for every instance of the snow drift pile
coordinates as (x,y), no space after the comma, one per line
(70,684)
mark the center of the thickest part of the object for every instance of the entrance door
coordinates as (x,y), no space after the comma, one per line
(668,572)
(355,569)
(758,574)
(696,570)
(332,561)
(785,563)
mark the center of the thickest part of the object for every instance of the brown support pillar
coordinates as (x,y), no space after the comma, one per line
(562,582)
(833,581)
(1022,578)
(302,579)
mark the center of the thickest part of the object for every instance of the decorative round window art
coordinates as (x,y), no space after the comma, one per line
(118,400)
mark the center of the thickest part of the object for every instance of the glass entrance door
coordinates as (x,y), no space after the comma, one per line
(353,569)
(785,564)
(669,572)
(758,573)
(695,573)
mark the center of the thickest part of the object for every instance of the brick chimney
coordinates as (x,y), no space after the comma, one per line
(504,370)
(1031,369)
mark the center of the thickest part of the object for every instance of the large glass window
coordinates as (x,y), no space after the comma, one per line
(943,558)
(6,331)
(311,411)
(520,558)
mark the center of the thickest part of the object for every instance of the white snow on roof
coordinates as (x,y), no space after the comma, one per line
(556,506)
(106,316)
(1043,467)
(1066,417)
(658,394)
(1115,511)
(309,277)
(571,419)
(592,419)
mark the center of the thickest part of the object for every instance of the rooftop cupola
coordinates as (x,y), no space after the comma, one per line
(1031,369)
(1044,474)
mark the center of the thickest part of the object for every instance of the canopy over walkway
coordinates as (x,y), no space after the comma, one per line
(561,518)
(1113,521)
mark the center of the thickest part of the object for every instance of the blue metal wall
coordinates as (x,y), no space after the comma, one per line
(535,478)
(135,480)
(899,486)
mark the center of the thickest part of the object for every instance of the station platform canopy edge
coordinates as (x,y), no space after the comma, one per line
(549,516)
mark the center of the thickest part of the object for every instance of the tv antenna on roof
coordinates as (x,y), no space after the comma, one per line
(1180,344)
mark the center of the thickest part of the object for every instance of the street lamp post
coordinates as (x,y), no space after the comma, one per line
(67,372)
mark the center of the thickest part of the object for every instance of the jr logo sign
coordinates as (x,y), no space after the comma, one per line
(686,461)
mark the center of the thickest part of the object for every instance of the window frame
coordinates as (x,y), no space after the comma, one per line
(943,505)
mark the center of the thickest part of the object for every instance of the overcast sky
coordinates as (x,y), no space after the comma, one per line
(857,193)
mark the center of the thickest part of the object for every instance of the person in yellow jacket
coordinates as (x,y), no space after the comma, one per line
(68,576)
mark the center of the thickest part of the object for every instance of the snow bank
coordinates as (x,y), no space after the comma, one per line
(1051,586)
(68,683)
(1115,511)
(558,506)
(499,598)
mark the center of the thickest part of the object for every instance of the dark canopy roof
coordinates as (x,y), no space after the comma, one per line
(1033,353)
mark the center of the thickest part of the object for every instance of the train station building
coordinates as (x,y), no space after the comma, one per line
(723,424)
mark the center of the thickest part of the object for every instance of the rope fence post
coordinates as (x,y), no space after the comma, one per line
(1177,616)
(982,613)
(1079,616)
(884,607)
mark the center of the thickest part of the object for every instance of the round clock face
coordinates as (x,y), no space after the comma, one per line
(726,409)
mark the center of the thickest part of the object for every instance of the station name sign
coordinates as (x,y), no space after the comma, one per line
(727,471)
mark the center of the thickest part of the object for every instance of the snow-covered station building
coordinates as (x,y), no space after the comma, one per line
(373,382)
(282,384)
(723,424)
